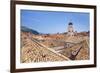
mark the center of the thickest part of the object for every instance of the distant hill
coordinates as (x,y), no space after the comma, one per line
(26,29)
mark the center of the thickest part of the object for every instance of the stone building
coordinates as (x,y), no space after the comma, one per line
(70,29)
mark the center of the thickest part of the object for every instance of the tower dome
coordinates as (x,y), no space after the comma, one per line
(70,23)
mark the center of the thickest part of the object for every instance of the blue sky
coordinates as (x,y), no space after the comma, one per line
(53,22)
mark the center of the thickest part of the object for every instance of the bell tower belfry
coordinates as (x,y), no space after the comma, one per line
(70,29)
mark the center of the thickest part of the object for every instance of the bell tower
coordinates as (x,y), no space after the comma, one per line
(70,29)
